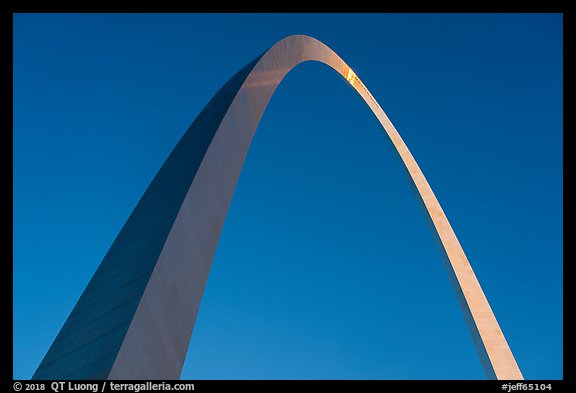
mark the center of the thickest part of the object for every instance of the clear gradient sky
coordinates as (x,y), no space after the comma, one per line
(326,267)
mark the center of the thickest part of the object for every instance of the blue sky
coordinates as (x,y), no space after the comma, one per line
(326,267)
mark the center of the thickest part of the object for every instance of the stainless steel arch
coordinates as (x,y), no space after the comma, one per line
(135,317)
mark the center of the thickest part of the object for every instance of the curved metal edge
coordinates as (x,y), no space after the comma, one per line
(162,316)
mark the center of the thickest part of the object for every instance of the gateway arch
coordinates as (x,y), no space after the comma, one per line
(135,317)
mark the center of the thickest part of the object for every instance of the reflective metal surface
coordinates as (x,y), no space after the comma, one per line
(136,316)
